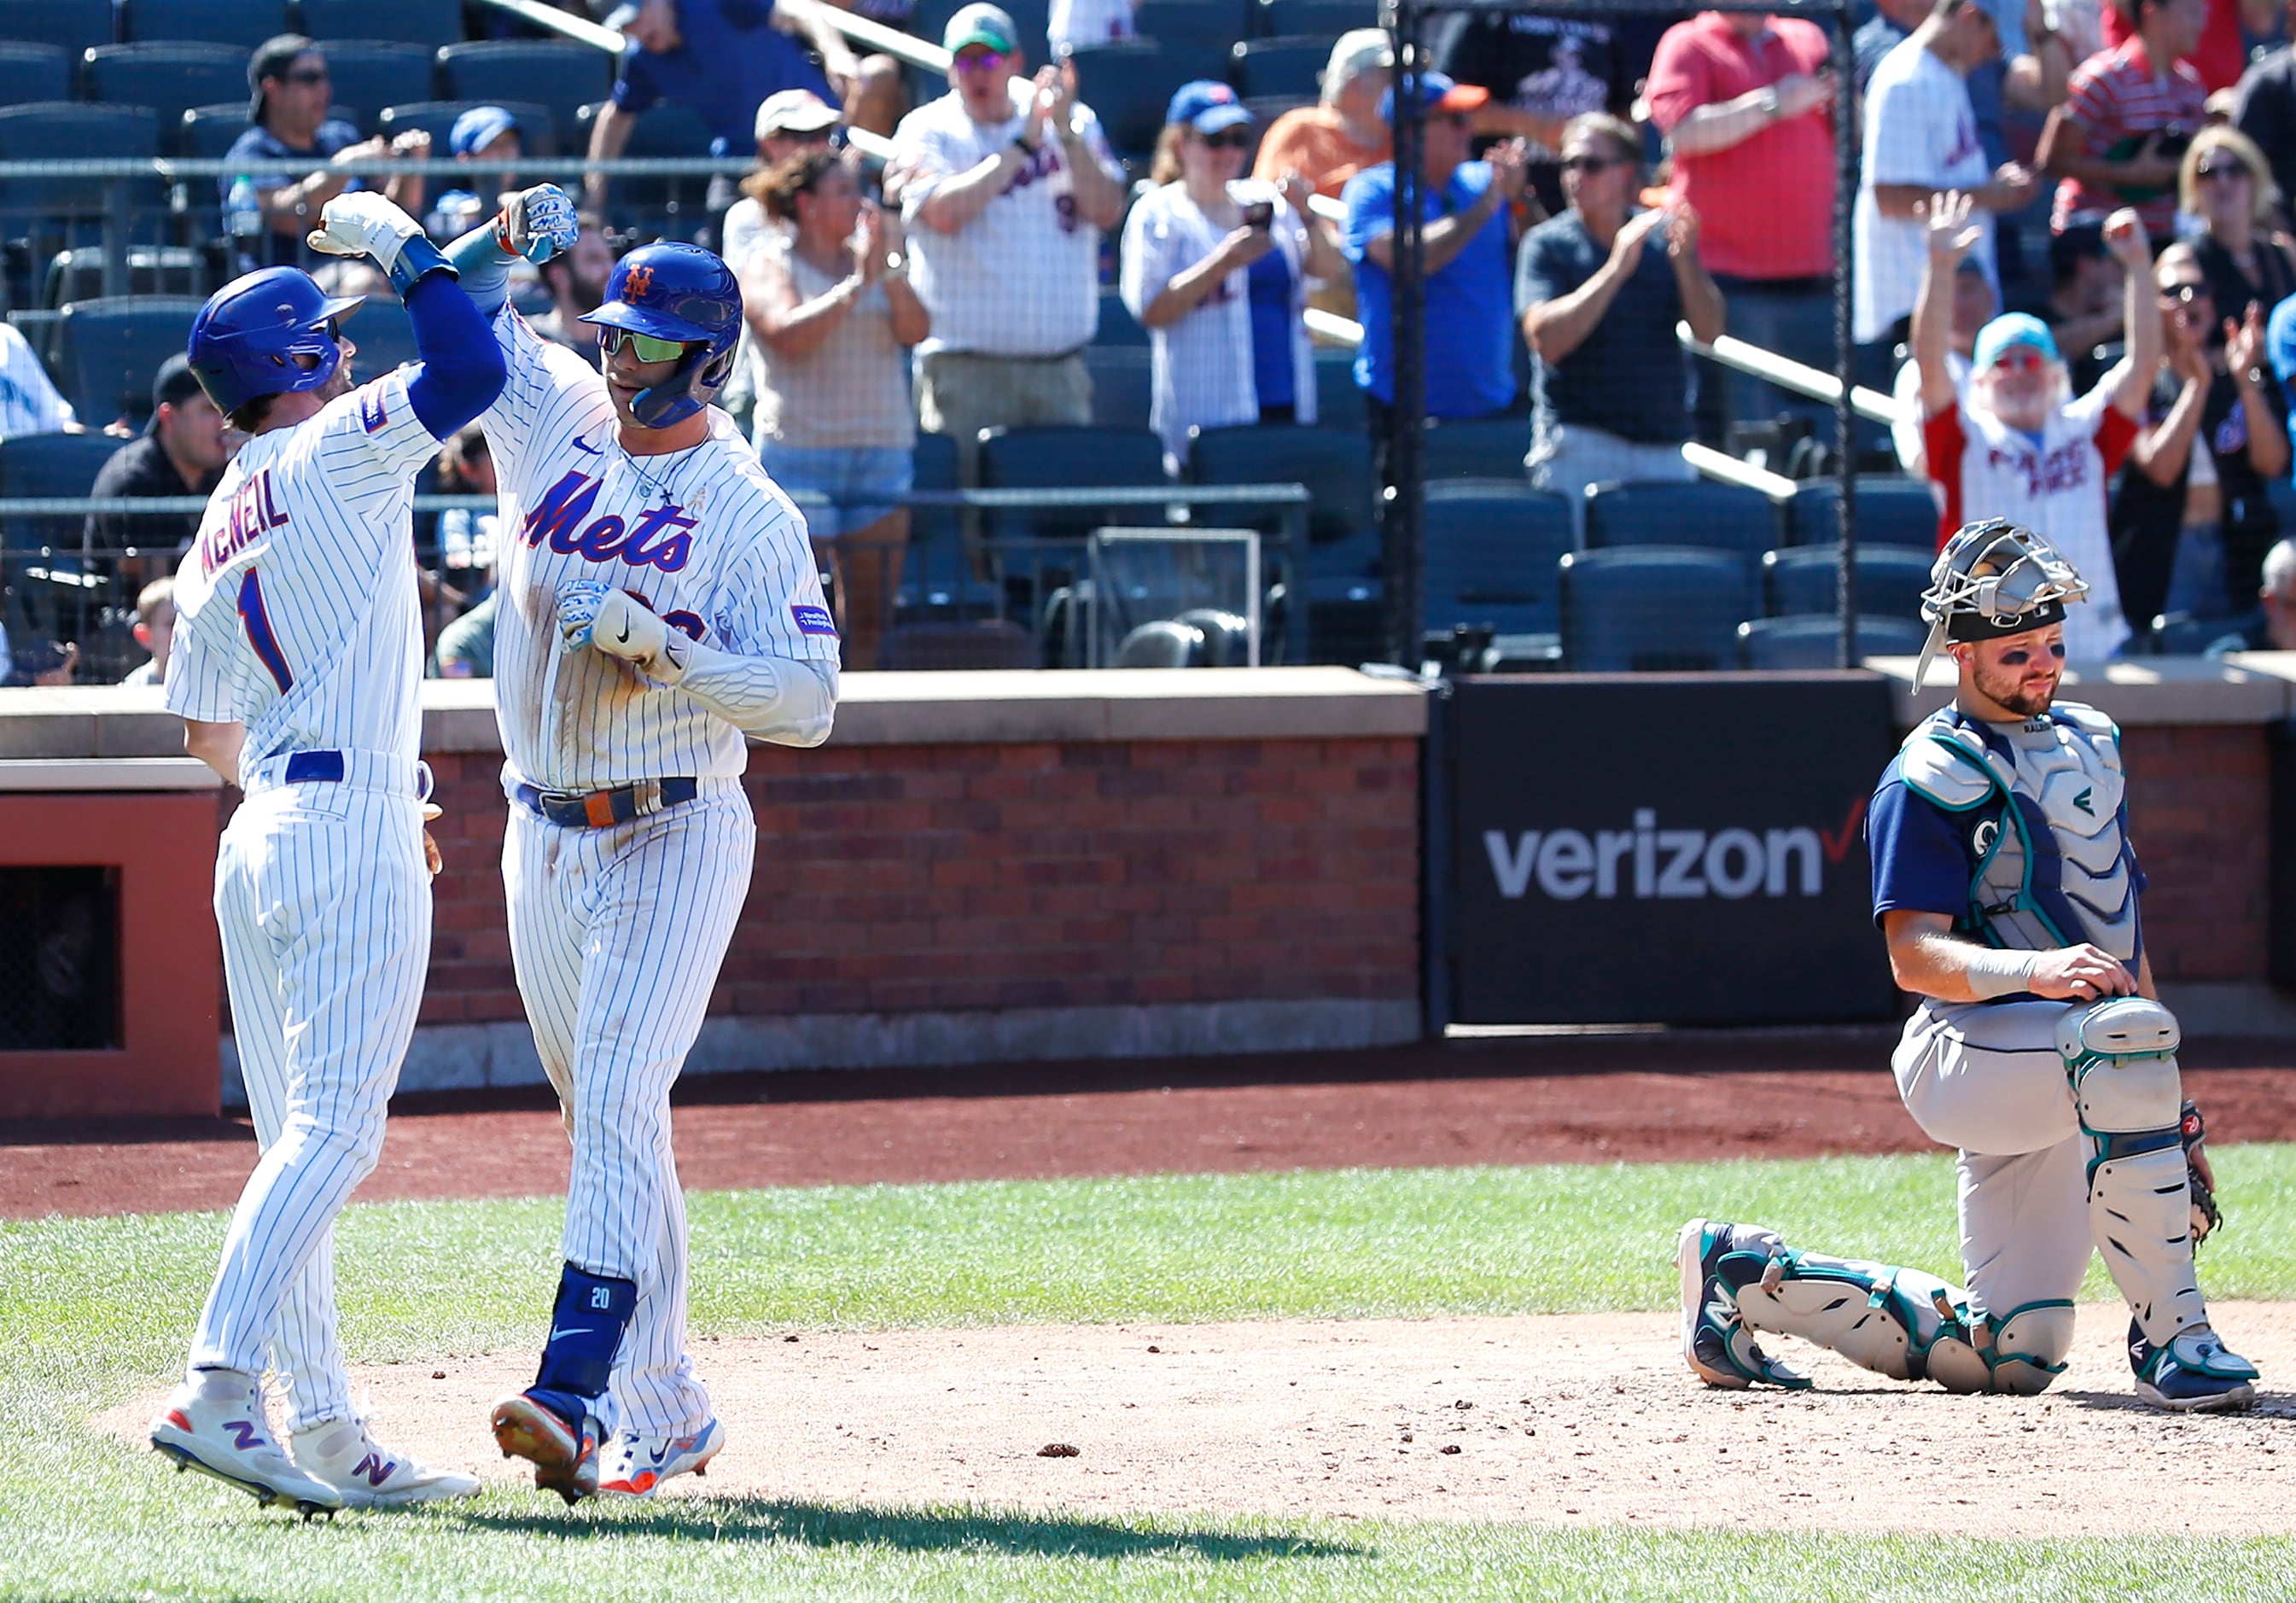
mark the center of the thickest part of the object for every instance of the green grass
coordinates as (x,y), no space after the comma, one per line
(93,1311)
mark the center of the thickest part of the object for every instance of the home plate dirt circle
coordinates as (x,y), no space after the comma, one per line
(1571,1420)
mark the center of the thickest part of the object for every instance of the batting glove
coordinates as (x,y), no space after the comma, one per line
(538,224)
(577,606)
(618,624)
(363,224)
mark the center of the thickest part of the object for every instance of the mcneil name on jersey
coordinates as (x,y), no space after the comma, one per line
(1648,863)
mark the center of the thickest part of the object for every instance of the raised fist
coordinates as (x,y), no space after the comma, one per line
(363,224)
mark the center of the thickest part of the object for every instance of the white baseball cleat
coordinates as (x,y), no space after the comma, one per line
(215,1424)
(636,1466)
(343,1453)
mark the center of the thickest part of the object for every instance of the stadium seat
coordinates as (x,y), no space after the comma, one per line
(384,336)
(1130,86)
(1803,578)
(1166,642)
(565,77)
(207,134)
(1286,66)
(667,206)
(987,643)
(1321,17)
(169,78)
(1068,458)
(1476,448)
(537,134)
(1121,385)
(1890,512)
(428,22)
(936,580)
(30,72)
(1651,608)
(60,130)
(1117,325)
(42,465)
(1723,517)
(77,273)
(1816,641)
(241,23)
(1490,556)
(370,74)
(106,351)
(75,25)
(1219,22)
(1032,18)
(1333,464)
(1339,398)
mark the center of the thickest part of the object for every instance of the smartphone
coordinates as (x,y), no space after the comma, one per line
(1257,200)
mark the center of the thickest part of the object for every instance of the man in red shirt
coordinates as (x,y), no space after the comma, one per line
(2220,55)
(2129,113)
(1747,103)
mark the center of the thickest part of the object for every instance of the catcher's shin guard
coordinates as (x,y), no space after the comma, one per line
(2121,1056)
(1897,1322)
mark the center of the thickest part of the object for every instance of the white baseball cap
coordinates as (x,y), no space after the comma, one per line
(794,111)
(1357,50)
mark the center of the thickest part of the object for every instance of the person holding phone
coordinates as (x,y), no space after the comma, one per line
(2127,116)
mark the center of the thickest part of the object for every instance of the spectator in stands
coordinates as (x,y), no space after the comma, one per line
(1538,72)
(2225,183)
(2191,521)
(1600,290)
(2085,299)
(181,452)
(466,538)
(2218,53)
(1330,142)
(1466,236)
(1973,307)
(2265,110)
(1076,24)
(287,120)
(1921,137)
(1006,184)
(2023,448)
(835,316)
(466,647)
(577,282)
(2128,116)
(789,124)
(480,136)
(2272,627)
(38,662)
(2058,37)
(155,631)
(29,401)
(1745,101)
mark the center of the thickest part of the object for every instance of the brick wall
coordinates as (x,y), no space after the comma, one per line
(2198,796)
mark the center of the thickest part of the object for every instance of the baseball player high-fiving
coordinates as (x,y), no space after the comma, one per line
(659,602)
(2006,885)
(296,661)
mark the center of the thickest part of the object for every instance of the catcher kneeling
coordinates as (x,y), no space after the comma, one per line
(2004,882)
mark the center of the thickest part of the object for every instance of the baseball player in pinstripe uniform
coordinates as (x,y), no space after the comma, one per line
(659,602)
(298,654)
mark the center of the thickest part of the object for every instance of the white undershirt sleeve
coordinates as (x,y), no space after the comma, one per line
(788,701)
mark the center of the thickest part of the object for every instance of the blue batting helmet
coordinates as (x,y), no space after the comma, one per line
(246,337)
(674,291)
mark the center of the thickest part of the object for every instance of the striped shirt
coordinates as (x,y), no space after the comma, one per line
(701,536)
(1021,279)
(296,612)
(2115,102)
(1201,371)
(1919,130)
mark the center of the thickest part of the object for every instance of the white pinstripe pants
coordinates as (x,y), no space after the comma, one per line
(324,909)
(616,935)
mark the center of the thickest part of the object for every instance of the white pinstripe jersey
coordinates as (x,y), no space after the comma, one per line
(295,609)
(1022,279)
(701,536)
(1202,363)
(1919,129)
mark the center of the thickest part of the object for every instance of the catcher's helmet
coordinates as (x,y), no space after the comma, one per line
(1994,579)
(246,337)
(676,292)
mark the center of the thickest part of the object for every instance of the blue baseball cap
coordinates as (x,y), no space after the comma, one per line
(479,127)
(1437,92)
(1207,106)
(2009,330)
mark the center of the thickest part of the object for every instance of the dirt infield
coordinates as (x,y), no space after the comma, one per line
(1585,1098)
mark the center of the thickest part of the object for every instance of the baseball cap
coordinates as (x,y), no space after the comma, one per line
(1437,92)
(479,127)
(980,24)
(794,111)
(2008,21)
(173,385)
(271,59)
(1207,107)
(1357,50)
(2009,330)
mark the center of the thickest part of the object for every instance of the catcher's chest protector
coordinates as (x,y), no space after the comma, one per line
(2039,806)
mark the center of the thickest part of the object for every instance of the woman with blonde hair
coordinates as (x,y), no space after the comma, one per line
(2225,182)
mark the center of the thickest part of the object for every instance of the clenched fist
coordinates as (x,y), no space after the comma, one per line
(363,224)
(617,623)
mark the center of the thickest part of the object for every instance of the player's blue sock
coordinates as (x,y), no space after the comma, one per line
(586,1329)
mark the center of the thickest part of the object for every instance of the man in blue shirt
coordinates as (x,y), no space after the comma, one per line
(1466,237)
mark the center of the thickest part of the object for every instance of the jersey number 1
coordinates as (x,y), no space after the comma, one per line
(259,634)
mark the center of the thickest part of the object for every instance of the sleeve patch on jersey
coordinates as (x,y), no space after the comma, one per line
(814,620)
(373,414)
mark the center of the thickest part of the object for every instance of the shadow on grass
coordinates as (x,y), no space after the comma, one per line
(908,1530)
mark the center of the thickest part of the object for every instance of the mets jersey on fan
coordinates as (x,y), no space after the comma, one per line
(701,536)
(296,608)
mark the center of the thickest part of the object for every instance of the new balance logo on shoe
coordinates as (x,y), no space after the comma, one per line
(243,1433)
(375,1467)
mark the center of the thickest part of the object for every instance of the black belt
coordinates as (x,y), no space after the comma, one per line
(595,809)
(307,768)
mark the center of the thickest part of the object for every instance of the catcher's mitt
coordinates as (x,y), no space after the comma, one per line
(2199,1175)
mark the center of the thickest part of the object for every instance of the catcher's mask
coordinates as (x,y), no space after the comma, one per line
(1994,578)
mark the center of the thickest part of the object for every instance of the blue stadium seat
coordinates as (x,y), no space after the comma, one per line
(75,25)
(1723,517)
(1287,66)
(669,206)
(169,78)
(207,134)
(370,74)
(106,351)
(1130,86)
(1032,18)
(1491,555)
(1339,398)
(1890,512)
(1804,579)
(936,580)
(1815,641)
(1068,458)
(48,465)
(1117,325)
(536,131)
(384,336)
(565,77)
(77,273)
(56,130)
(1651,608)
(1476,448)
(242,23)
(429,22)
(1121,385)
(1219,22)
(30,72)
(1333,464)
(1323,18)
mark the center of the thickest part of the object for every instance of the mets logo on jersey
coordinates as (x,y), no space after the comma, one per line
(372,413)
(661,537)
